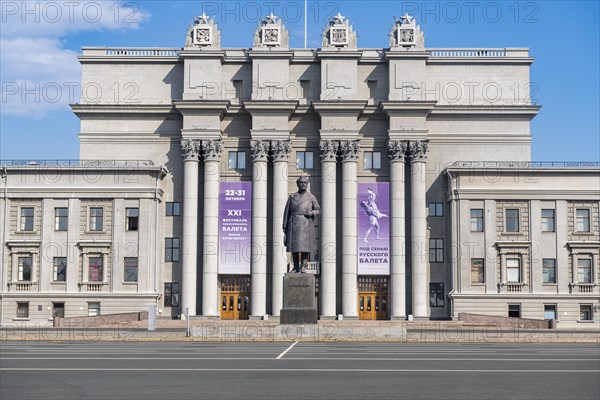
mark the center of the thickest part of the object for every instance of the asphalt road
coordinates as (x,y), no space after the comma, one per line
(260,370)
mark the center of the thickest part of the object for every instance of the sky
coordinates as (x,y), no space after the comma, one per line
(40,42)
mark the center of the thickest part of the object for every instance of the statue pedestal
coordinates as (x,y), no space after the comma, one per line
(299,301)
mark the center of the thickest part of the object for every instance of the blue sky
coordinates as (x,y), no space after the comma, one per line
(39,43)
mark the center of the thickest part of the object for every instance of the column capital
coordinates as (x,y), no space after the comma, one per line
(190,149)
(329,149)
(212,149)
(349,149)
(417,150)
(260,150)
(397,150)
(281,150)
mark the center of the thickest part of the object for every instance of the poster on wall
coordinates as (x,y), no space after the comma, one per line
(374,228)
(235,223)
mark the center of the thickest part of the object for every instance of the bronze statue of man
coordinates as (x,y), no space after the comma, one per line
(299,224)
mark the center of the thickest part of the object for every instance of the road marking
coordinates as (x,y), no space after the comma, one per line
(286,350)
(559,371)
(306,358)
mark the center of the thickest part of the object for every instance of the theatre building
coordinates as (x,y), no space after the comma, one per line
(419,158)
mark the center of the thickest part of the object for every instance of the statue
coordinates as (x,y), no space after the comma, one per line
(299,224)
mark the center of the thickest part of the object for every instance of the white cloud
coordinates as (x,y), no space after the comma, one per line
(38,73)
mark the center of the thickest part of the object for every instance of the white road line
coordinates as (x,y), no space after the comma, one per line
(286,350)
(306,358)
(559,371)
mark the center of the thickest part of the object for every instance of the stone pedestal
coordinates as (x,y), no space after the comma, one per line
(299,302)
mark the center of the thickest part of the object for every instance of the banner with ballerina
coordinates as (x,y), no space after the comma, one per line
(374,228)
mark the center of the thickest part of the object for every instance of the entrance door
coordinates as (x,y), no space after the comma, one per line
(372,298)
(235,297)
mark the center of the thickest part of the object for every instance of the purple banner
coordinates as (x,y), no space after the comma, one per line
(374,228)
(235,223)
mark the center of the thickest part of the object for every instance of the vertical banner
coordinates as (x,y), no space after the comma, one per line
(235,228)
(374,228)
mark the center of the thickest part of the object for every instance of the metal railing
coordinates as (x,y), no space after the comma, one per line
(525,164)
(76,163)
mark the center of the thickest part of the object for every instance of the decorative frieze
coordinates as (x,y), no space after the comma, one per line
(190,149)
(349,149)
(204,33)
(211,149)
(339,33)
(271,33)
(417,150)
(329,149)
(281,150)
(405,33)
(397,150)
(260,150)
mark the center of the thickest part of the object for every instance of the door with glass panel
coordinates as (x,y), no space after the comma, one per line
(235,297)
(373,298)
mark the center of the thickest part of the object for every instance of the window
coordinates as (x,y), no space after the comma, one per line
(436,250)
(372,160)
(131,269)
(173,209)
(477,271)
(132,216)
(582,220)
(514,310)
(61,218)
(550,311)
(436,294)
(436,209)
(237,160)
(585,312)
(171,294)
(304,160)
(96,219)
(549,270)
(22,310)
(512,219)
(513,270)
(58,310)
(96,269)
(476,220)
(93,309)
(27,218)
(25,266)
(548,220)
(171,249)
(60,269)
(584,270)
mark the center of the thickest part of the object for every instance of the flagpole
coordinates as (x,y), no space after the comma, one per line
(305,20)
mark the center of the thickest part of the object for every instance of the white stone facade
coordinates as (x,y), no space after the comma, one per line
(417,110)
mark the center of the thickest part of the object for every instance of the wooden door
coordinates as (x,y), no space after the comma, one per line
(372,298)
(235,297)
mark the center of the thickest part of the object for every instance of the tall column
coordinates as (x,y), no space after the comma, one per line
(328,250)
(349,150)
(211,150)
(417,152)
(397,153)
(190,150)
(258,283)
(281,155)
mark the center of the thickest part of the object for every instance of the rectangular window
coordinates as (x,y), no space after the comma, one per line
(550,311)
(173,209)
(582,220)
(584,270)
(171,294)
(60,269)
(512,219)
(436,209)
(436,250)
(58,310)
(476,220)
(27,218)
(131,269)
(549,270)
(585,312)
(372,160)
(477,271)
(237,160)
(93,309)
(132,216)
(96,219)
(514,310)
(436,294)
(96,270)
(547,220)
(22,310)
(25,266)
(61,218)
(513,270)
(304,160)
(171,249)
